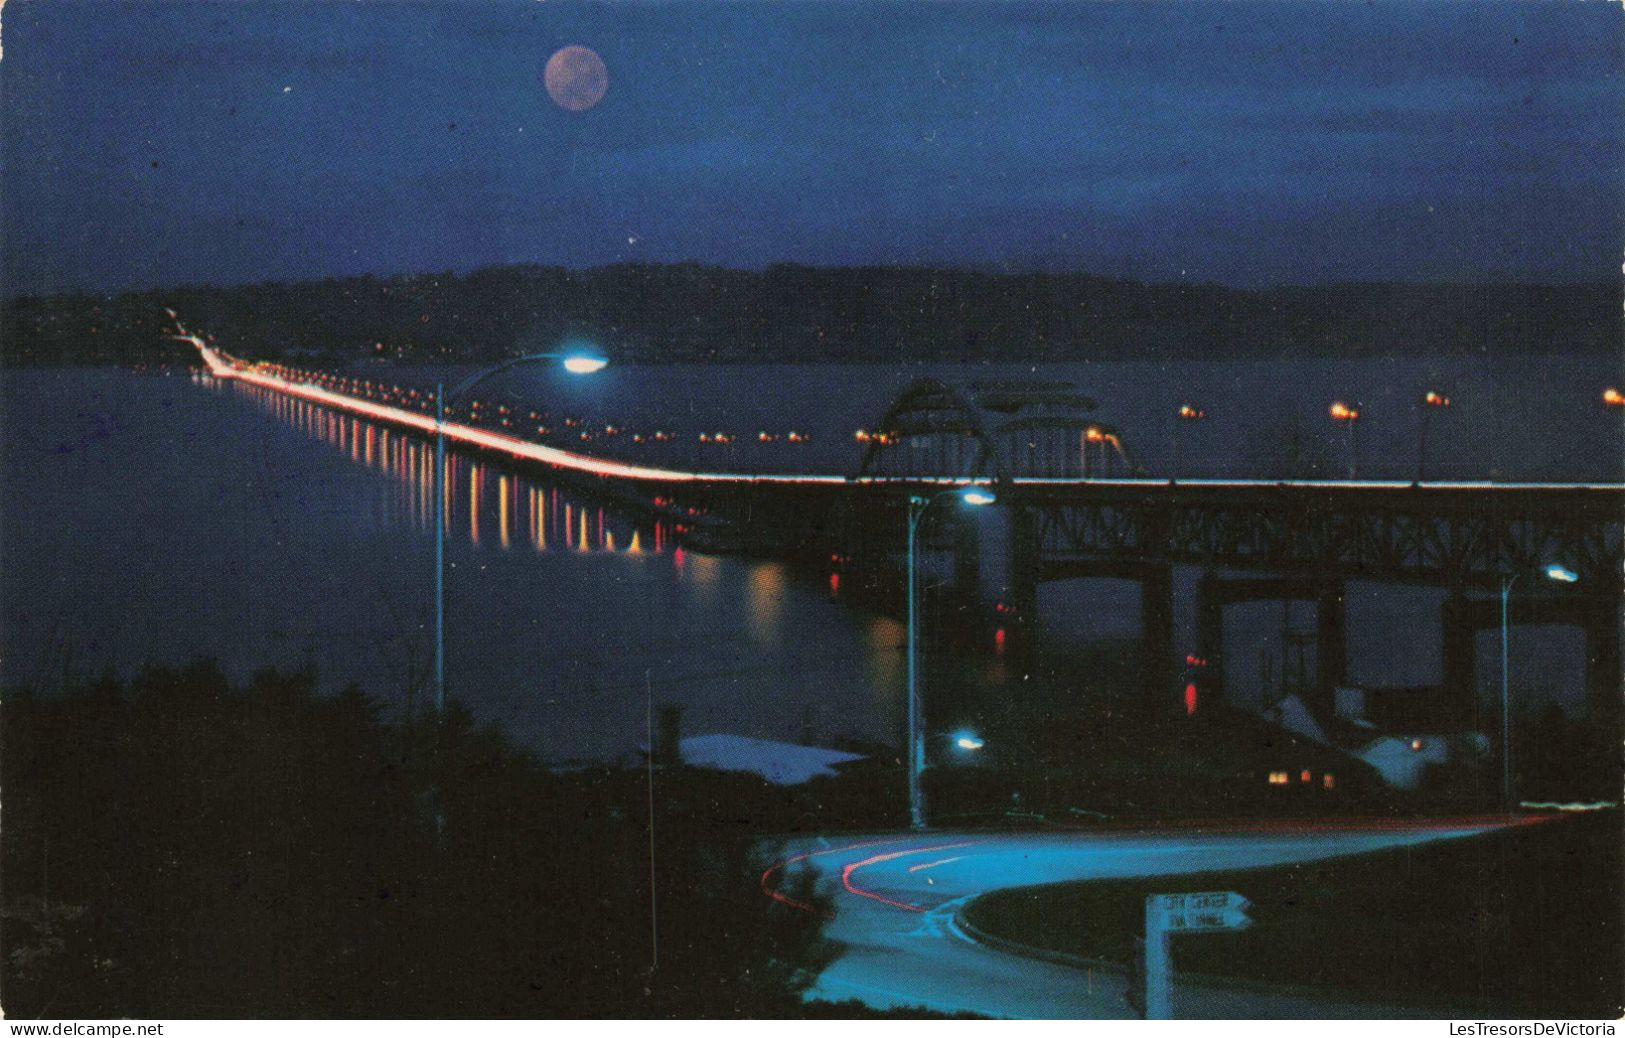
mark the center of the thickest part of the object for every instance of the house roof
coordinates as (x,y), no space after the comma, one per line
(782,763)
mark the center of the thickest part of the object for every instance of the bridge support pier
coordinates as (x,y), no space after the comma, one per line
(1210,632)
(1604,678)
(1597,617)
(1214,592)
(1331,646)
(1157,635)
(1156,582)
(967,585)
(1459,659)
(1021,581)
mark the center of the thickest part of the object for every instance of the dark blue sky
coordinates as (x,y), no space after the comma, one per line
(154,143)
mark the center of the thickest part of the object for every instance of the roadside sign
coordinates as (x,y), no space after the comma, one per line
(1136,977)
(1208,911)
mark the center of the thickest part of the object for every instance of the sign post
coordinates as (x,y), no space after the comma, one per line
(1168,914)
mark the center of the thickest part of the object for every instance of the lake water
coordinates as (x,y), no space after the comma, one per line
(149,519)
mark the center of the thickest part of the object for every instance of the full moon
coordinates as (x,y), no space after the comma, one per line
(576,78)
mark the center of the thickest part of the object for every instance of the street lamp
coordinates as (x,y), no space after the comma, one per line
(577,363)
(583,364)
(1342,412)
(1186,413)
(1093,434)
(1551,571)
(976,496)
(1431,400)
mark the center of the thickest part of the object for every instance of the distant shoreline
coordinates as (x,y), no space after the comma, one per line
(173,366)
(688,313)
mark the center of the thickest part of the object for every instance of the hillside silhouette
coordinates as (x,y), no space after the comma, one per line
(788,314)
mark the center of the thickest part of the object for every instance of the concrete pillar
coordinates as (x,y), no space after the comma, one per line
(1603,677)
(1021,582)
(967,587)
(1331,647)
(1157,636)
(1459,656)
(1210,632)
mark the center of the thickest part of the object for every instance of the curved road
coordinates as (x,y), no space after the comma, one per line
(896,898)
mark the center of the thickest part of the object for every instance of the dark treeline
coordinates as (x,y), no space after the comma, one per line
(174,846)
(787,313)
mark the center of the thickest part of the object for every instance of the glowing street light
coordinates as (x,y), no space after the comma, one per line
(577,363)
(1551,571)
(1094,434)
(1342,412)
(1613,397)
(977,497)
(583,363)
(1432,400)
(969,741)
(1186,413)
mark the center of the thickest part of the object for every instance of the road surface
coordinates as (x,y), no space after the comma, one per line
(896,898)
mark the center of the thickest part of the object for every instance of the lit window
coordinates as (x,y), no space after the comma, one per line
(1279,778)
(1305,776)
(1328,781)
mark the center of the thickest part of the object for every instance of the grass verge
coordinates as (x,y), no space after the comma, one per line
(1523,922)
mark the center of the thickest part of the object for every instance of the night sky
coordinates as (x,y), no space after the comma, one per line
(151,144)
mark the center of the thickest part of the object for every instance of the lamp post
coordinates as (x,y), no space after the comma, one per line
(1186,413)
(1342,412)
(974,495)
(1432,400)
(1551,572)
(576,364)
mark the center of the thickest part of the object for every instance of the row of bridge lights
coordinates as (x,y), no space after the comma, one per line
(1094,434)
(402,396)
(1348,414)
(1342,412)
(505,416)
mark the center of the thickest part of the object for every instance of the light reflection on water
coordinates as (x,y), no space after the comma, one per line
(494,497)
(263,530)
(767,589)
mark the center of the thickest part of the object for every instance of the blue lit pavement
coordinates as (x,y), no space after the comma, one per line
(895,900)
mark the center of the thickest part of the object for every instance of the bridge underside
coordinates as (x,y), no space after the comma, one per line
(1437,536)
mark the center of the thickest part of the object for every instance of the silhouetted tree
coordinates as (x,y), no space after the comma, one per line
(178,847)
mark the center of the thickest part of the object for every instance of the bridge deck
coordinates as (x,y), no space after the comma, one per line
(1465,494)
